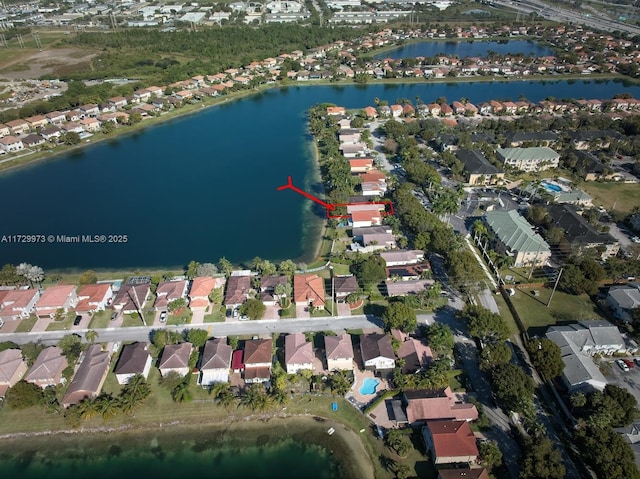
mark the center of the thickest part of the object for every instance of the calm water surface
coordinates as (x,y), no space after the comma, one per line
(204,186)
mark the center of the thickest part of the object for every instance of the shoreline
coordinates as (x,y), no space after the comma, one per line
(344,447)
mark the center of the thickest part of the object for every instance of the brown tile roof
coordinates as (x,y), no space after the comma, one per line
(216,355)
(169,291)
(308,288)
(376,345)
(10,361)
(133,359)
(175,356)
(261,372)
(258,351)
(126,296)
(47,370)
(452,438)
(268,283)
(297,350)
(89,377)
(416,354)
(345,285)
(338,347)
(237,289)
(437,404)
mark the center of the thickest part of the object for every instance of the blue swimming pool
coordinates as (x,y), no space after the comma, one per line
(369,386)
(551,187)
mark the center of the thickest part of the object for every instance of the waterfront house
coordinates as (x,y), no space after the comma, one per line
(118,102)
(361,219)
(450,442)
(48,367)
(18,127)
(268,286)
(155,91)
(238,286)
(514,236)
(141,95)
(94,297)
(258,355)
(131,298)
(343,286)
(134,359)
(377,352)
(60,297)
(201,288)
(73,115)
(11,144)
(298,353)
(402,257)
(477,169)
(89,110)
(37,121)
(308,290)
(12,368)
(169,291)
(56,117)
(175,358)
(336,110)
(371,113)
(215,362)
(533,159)
(579,235)
(339,352)
(416,354)
(623,300)
(17,303)
(32,140)
(89,377)
(424,405)
(90,125)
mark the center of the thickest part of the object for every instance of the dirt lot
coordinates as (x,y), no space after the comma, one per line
(32,63)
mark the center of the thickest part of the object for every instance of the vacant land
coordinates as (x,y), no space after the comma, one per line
(621,197)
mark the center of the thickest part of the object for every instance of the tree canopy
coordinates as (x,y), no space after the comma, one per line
(484,324)
(546,357)
(400,316)
(513,387)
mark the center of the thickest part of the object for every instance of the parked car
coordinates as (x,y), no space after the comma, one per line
(629,363)
(637,361)
(114,315)
(77,320)
(622,365)
(163,316)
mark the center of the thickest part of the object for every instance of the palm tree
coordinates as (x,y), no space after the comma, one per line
(256,398)
(225,266)
(226,399)
(182,393)
(88,408)
(35,275)
(107,405)
(134,393)
(91,336)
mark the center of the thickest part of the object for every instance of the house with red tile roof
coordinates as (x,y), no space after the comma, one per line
(336,110)
(12,368)
(361,219)
(215,362)
(308,290)
(89,377)
(396,111)
(360,165)
(371,112)
(134,359)
(48,367)
(425,405)
(298,353)
(258,356)
(450,442)
(339,352)
(175,358)
(61,296)
(18,303)
(94,297)
(169,291)
(201,288)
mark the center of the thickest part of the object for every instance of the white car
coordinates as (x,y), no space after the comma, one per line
(163,316)
(621,364)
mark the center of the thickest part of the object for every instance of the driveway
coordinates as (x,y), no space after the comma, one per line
(41,325)
(302,311)
(198,316)
(630,380)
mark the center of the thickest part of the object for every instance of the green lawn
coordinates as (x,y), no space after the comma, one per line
(62,325)
(564,307)
(132,320)
(506,314)
(624,196)
(177,319)
(26,325)
(100,320)
(216,317)
(456,380)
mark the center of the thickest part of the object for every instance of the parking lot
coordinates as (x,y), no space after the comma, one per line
(629,379)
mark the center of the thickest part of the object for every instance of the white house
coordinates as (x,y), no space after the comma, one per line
(175,358)
(134,359)
(298,353)
(377,352)
(339,351)
(402,257)
(10,144)
(215,362)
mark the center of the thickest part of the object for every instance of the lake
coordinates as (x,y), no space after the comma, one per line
(204,186)
(463,49)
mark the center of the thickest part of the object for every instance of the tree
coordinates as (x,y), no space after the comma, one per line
(71,346)
(398,441)
(287,267)
(370,271)
(399,316)
(134,393)
(170,381)
(192,270)
(107,405)
(35,275)
(71,138)
(577,400)
(541,461)
(626,402)
(494,354)
(340,383)
(161,337)
(253,308)
(490,454)
(206,269)
(88,277)
(197,337)
(484,324)
(225,266)
(440,337)
(182,393)
(24,395)
(546,357)
(607,452)
(513,387)
(256,398)
(91,336)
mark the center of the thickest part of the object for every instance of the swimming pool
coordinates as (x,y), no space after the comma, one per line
(369,386)
(551,187)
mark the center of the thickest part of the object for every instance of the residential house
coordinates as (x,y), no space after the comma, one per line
(407,286)
(131,298)
(18,303)
(258,355)
(32,140)
(537,138)
(578,342)
(141,96)
(18,127)
(623,300)
(463,473)
(360,165)
(89,110)
(11,144)
(215,362)
(134,359)
(268,286)
(336,110)
(531,159)
(351,151)
(407,272)
(37,121)
(169,291)
(579,234)
(361,219)
(298,353)
(416,355)
(56,117)
(339,352)
(238,286)
(377,352)
(94,297)
(201,288)
(371,112)
(60,297)
(118,102)
(90,125)
(425,405)
(343,286)
(175,358)
(155,91)
(4,130)
(514,236)
(48,367)
(12,368)
(402,257)
(450,442)
(51,133)
(374,237)
(308,290)
(477,169)
(89,377)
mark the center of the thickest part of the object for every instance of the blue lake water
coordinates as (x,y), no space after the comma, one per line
(204,186)
(475,48)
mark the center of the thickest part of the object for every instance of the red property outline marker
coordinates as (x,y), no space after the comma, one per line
(330,207)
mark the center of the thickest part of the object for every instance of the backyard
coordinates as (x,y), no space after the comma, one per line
(621,197)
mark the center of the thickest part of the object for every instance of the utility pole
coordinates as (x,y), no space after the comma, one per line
(554,287)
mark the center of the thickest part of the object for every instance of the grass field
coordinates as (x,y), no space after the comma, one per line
(621,197)
(64,324)
(27,324)
(100,320)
